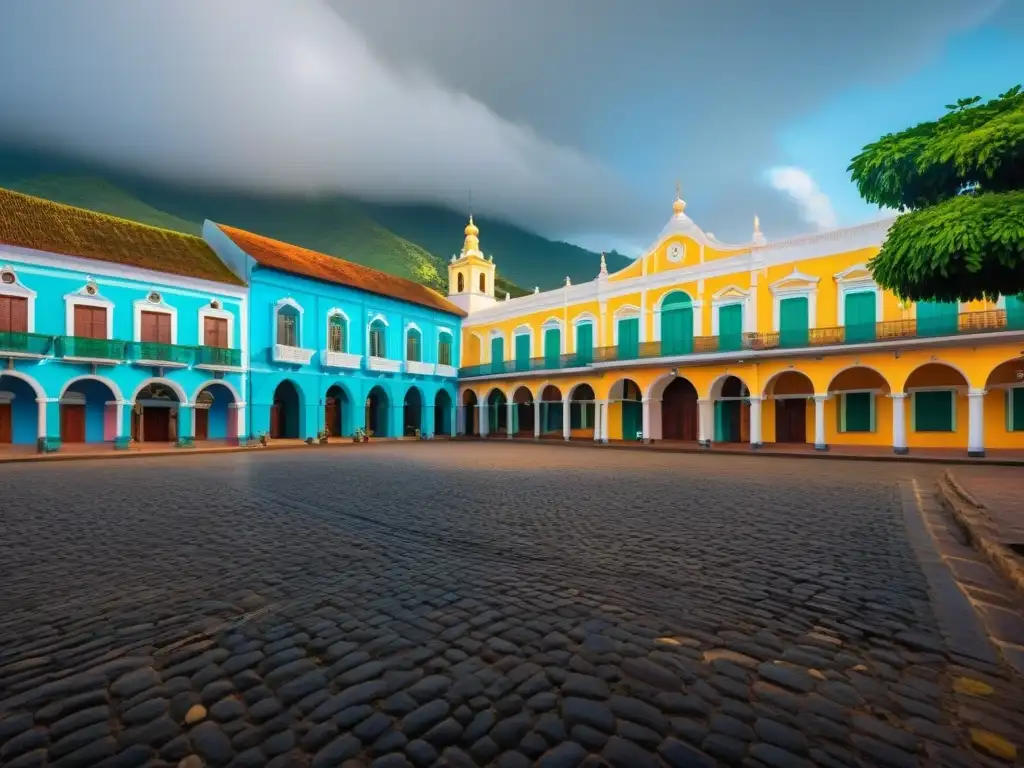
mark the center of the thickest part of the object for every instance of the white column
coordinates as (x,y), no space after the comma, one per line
(705,422)
(565,419)
(119,418)
(604,421)
(484,414)
(536,419)
(456,413)
(509,407)
(41,405)
(647,420)
(597,420)
(975,422)
(819,423)
(755,422)
(899,423)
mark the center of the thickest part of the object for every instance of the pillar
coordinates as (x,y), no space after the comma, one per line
(456,412)
(646,426)
(510,408)
(705,422)
(755,423)
(819,423)
(48,424)
(484,414)
(123,428)
(536,419)
(599,418)
(899,423)
(976,423)
(186,432)
(566,430)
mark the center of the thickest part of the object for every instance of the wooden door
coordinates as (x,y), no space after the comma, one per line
(90,322)
(72,423)
(215,332)
(790,421)
(5,423)
(275,419)
(679,413)
(13,314)
(331,414)
(156,327)
(156,425)
(202,423)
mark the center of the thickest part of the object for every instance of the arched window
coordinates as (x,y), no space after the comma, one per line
(413,345)
(461,282)
(337,334)
(483,283)
(444,348)
(378,347)
(288,326)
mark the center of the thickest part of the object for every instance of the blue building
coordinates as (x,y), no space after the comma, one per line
(337,347)
(113,331)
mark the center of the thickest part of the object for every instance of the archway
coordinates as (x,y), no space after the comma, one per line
(377,405)
(155,415)
(581,411)
(938,413)
(497,412)
(859,411)
(285,412)
(522,412)
(443,413)
(1004,404)
(732,410)
(87,412)
(625,409)
(412,412)
(19,411)
(215,418)
(337,408)
(790,394)
(679,411)
(469,413)
(551,411)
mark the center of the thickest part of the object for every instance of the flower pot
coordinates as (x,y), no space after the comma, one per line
(366,439)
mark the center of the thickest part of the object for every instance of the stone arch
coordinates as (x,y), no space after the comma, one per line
(88,410)
(551,410)
(497,411)
(114,389)
(236,396)
(675,413)
(37,388)
(625,410)
(378,411)
(19,398)
(443,413)
(338,402)
(582,410)
(788,398)
(731,409)
(287,411)
(213,417)
(1004,399)
(171,385)
(412,411)
(522,411)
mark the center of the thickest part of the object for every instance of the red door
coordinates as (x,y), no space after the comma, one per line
(156,425)
(275,420)
(72,423)
(790,421)
(5,423)
(331,417)
(202,423)
(679,411)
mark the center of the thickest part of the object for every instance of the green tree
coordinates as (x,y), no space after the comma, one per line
(959,185)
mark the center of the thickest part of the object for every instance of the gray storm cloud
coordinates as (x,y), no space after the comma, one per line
(574,117)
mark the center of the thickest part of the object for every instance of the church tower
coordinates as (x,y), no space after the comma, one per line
(470,275)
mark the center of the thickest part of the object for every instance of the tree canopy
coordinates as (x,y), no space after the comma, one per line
(959,184)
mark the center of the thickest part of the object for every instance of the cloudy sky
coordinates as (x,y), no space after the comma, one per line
(572,117)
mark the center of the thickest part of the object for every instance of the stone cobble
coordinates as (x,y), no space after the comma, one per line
(467,604)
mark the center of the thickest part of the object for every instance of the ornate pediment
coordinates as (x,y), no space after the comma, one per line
(795,281)
(732,292)
(858,272)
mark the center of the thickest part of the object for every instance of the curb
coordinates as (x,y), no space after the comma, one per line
(971,516)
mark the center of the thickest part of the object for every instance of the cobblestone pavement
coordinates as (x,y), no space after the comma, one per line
(465,604)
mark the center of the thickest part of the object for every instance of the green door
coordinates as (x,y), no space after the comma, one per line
(933,411)
(1015,312)
(632,419)
(552,347)
(793,325)
(497,355)
(857,412)
(551,416)
(629,338)
(523,352)
(676,325)
(724,413)
(584,344)
(1015,409)
(730,328)
(937,318)
(860,316)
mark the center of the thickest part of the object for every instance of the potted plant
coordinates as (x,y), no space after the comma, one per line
(357,436)
(322,436)
(265,439)
(367,434)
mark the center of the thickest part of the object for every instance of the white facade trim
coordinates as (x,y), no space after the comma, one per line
(81,297)
(411,326)
(369,327)
(722,299)
(223,314)
(803,286)
(522,330)
(862,284)
(288,301)
(145,305)
(109,383)
(555,323)
(174,386)
(19,290)
(332,313)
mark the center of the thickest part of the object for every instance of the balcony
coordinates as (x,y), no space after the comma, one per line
(154,353)
(447,371)
(419,368)
(79,349)
(967,324)
(19,344)
(282,353)
(383,364)
(218,359)
(329,359)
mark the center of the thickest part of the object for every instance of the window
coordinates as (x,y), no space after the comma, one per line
(584,343)
(523,352)
(444,349)
(934,411)
(336,334)
(857,412)
(629,338)
(1015,409)
(156,327)
(937,318)
(677,324)
(287,328)
(413,345)
(461,284)
(859,316)
(552,347)
(497,354)
(378,348)
(730,327)
(215,332)
(483,283)
(793,321)
(90,322)
(14,314)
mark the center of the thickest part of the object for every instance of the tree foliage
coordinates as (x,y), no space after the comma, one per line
(959,184)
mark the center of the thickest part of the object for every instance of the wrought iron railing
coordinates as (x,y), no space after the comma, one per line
(965,323)
(97,349)
(218,356)
(177,354)
(26,343)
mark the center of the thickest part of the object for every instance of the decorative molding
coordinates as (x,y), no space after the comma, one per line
(222,314)
(346,339)
(19,290)
(145,305)
(89,296)
(792,286)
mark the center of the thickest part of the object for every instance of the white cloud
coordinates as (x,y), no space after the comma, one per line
(815,206)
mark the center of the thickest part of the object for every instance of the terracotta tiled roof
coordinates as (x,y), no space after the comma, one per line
(42,225)
(301,261)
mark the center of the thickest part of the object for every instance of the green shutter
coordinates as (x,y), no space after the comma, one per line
(793,321)
(933,411)
(497,354)
(522,352)
(858,409)
(629,338)
(552,347)
(632,419)
(584,343)
(1015,312)
(676,324)
(860,319)
(1015,409)
(730,327)
(937,318)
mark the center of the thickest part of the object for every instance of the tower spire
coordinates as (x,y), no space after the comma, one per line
(679,206)
(604,267)
(759,237)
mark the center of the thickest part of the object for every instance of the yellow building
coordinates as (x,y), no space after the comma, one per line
(766,342)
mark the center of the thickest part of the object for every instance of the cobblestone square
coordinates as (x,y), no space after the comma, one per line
(507,605)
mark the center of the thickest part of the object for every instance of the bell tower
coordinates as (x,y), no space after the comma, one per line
(470,275)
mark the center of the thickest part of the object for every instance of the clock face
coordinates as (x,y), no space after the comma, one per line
(675,252)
